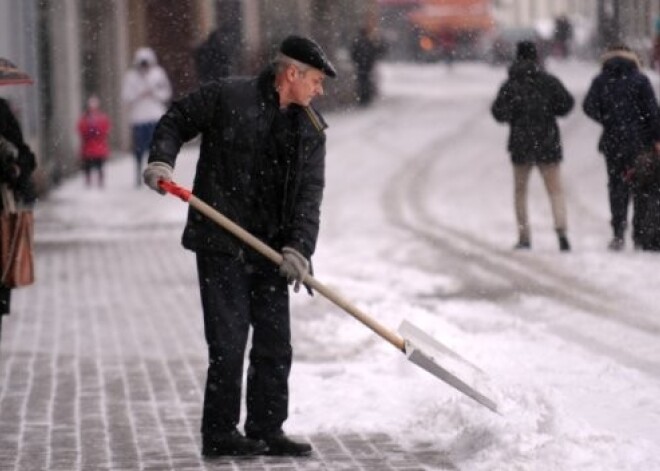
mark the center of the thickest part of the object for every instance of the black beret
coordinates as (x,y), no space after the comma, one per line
(308,52)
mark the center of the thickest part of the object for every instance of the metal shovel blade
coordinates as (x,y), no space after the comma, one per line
(444,363)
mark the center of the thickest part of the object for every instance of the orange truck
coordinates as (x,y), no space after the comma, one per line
(451,29)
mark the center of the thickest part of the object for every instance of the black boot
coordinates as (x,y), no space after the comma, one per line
(280,445)
(231,444)
(564,245)
(523,244)
(616,244)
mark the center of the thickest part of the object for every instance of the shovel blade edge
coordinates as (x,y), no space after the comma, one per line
(442,362)
(427,363)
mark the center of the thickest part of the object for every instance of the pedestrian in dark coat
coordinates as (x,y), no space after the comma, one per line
(17,162)
(365,51)
(621,99)
(261,163)
(530,101)
(212,58)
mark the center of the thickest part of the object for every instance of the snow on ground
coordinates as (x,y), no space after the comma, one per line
(417,225)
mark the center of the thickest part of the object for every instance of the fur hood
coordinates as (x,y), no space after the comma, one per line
(621,54)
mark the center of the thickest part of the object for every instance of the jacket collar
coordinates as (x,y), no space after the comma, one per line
(628,56)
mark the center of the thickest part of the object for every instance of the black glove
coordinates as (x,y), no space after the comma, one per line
(155,172)
(294,267)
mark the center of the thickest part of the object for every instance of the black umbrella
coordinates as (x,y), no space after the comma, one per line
(12,75)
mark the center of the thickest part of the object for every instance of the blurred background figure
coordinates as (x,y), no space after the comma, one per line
(367,47)
(212,58)
(655,53)
(447,41)
(94,128)
(146,91)
(563,36)
(655,49)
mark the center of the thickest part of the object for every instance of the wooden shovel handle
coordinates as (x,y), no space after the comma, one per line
(276,258)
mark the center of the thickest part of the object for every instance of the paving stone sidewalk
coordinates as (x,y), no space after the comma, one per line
(102,360)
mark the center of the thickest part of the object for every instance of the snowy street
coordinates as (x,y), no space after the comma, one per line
(418,225)
(420,191)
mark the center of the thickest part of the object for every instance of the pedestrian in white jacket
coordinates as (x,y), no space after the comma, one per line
(146,91)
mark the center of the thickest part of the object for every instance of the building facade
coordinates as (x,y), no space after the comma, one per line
(607,21)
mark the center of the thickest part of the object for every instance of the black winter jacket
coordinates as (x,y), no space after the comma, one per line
(244,169)
(621,99)
(530,100)
(20,181)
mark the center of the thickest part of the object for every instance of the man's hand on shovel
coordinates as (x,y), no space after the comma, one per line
(294,267)
(155,173)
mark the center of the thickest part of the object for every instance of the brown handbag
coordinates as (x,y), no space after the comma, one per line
(16,245)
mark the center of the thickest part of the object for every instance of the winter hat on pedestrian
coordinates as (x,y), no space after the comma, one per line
(145,56)
(308,52)
(526,51)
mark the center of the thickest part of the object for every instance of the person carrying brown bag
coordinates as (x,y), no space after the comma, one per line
(17,163)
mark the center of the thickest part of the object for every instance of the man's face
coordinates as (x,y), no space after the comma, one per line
(306,86)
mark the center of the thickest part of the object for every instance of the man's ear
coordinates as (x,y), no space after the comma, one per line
(290,73)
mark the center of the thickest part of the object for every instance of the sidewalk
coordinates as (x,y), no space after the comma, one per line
(102,362)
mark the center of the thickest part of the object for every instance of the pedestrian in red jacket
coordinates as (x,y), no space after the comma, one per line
(94,127)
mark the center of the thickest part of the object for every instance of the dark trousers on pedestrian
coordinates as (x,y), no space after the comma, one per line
(365,88)
(620,192)
(142,134)
(5,299)
(91,164)
(238,294)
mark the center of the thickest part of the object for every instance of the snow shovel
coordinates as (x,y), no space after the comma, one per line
(419,348)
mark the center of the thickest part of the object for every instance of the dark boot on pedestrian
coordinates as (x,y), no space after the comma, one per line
(564,245)
(280,445)
(231,444)
(523,244)
(616,244)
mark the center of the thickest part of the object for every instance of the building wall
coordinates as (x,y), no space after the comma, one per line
(528,12)
(18,38)
(638,24)
(173,30)
(636,17)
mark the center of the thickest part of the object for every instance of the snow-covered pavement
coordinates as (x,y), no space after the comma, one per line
(417,224)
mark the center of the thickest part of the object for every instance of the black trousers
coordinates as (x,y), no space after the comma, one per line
(5,298)
(620,195)
(365,88)
(238,294)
